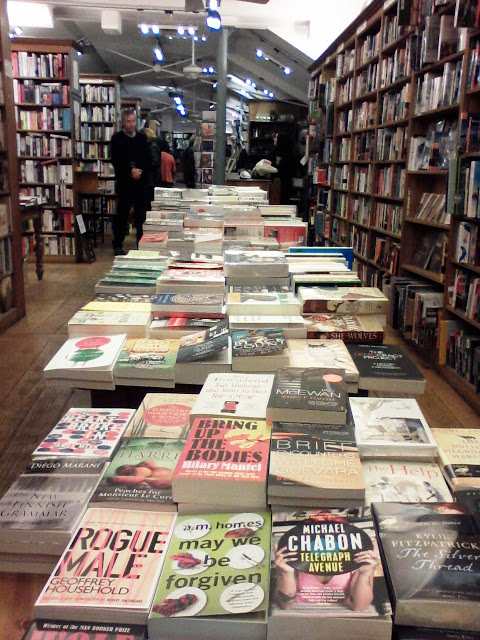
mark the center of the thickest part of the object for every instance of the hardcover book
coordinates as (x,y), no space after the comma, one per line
(86,433)
(314,461)
(348,300)
(326,577)
(432,561)
(234,395)
(162,415)
(215,580)
(346,327)
(125,550)
(308,395)
(459,454)
(224,461)
(259,350)
(147,358)
(392,428)
(403,481)
(386,367)
(140,475)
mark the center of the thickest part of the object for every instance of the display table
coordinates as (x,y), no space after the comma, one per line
(34,212)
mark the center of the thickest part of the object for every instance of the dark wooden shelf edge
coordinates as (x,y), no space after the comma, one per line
(7,319)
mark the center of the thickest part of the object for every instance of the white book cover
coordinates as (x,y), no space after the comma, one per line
(110,318)
(391,427)
(253,322)
(242,395)
(83,357)
(266,302)
(403,481)
(323,353)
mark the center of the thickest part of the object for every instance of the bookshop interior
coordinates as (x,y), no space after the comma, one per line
(240,307)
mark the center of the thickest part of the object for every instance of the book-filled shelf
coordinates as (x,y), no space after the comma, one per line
(12,298)
(393,160)
(47,115)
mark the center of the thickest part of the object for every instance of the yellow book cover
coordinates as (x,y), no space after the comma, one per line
(459,453)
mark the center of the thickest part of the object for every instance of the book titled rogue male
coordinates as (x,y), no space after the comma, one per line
(215,580)
(431,554)
(110,568)
(224,461)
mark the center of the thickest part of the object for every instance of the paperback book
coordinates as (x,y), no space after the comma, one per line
(346,327)
(162,415)
(204,344)
(128,570)
(259,350)
(215,580)
(52,630)
(147,359)
(292,326)
(326,577)
(224,461)
(342,300)
(117,306)
(188,305)
(392,428)
(271,303)
(174,328)
(459,457)
(86,433)
(86,323)
(255,263)
(308,395)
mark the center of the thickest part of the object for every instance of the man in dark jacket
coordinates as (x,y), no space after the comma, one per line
(188,162)
(131,159)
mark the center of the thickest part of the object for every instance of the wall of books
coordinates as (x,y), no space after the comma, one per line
(393,158)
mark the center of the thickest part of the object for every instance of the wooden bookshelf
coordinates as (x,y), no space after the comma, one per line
(12,296)
(375,95)
(47,115)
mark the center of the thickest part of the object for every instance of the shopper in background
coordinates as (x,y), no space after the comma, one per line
(155,179)
(188,160)
(284,160)
(168,166)
(131,159)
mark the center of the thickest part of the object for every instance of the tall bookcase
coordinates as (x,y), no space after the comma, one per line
(47,115)
(12,298)
(388,103)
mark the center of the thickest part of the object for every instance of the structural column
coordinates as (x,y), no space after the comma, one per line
(222,52)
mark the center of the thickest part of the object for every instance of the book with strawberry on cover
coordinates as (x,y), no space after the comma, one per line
(140,475)
(459,457)
(86,433)
(326,577)
(162,415)
(125,550)
(349,300)
(259,350)
(392,428)
(215,580)
(224,461)
(317,395)
(147,359)
(346,327)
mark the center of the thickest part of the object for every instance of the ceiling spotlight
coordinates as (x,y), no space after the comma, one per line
(205,70)
(254,85)
(248,81)
(287,71)
(214,85)
(155,29)
(265,91)
(177,100)
(259,53)
(213,4)
(79,53)
(181,31)
(170,37)
(144,28)
(211,70)
(17,31)
(191,31)
(204,38)
(214,21)
(158,53)
(270,95)
(195,38)
(266,59)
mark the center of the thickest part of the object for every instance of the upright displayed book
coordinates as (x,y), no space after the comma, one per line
(86,433)
(403,481)
(348,300)
(346,327)
(392,428)
(432,564)
(215,580)
(132,568)
(326,577)
(162,415)
(459,457)
(386,367)
(308,395)
(224,462)
(259,350)
(147,359)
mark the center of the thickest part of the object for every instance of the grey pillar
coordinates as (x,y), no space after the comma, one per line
(222,52)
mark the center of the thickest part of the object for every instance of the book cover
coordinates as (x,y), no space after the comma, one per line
(259,349)
(110,568)
(403,481)
(86,321)
(391,427)
(350,300)
(267,302)
(459,454)
(204,344)
(386,367)
(255,263)
(52,630)
(347,327)
(216,573)
(147,358)
(327,354)
(145,298)
(308,395)
(422,633)
(194,304)
(326,571)
(314,462)
(140,475)
(234,395)
(162,415)
(114,306)
(432,560)
(86,433)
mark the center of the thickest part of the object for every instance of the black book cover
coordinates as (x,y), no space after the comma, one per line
(383,361)
(203,344)
(315,389)
(421,633)
(53,630)
(258,342)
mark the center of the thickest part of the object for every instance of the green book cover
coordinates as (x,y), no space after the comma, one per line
(140,472)
(217,564)
(147,357)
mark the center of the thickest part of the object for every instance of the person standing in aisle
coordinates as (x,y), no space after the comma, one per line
(284,161)
(131,159)
(188,160)
(168,166)
(155,154)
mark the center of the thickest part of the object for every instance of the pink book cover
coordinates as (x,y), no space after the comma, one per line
(113,561)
